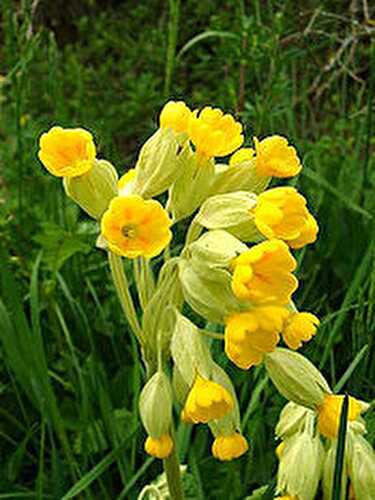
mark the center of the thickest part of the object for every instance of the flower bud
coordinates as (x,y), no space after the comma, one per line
(238,177)
(229,447)
(292,419)
(300,465)
(231,212)
(361,467)
(159,447)
(160,162)
(155,405)
(93,190)
(296,378)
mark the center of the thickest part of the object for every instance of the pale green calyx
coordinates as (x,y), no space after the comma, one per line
(155,405)
(292,419)
(361,463)
(296,378)
(93,190)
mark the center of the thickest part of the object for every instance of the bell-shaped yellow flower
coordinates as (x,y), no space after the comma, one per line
(242,155)
(67,152)
(175,115)
(206,401)
(307,235)
(300,327)
(159,447)
(229,447)
(281,213)
(329,414)
(136,227)
(126,182)
(275,158)
(250,335)
(264,273)
(213,133)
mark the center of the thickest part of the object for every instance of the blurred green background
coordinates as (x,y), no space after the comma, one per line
(69,370)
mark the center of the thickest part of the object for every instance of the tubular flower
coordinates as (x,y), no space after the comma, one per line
(264,273)
(329,414)
(213,133)
(281,213)
(307,235)
(206,401)
(136,227)
(175,115)
(67,152)
(299,327)
(159,447)
(274,158)
(243,154)
(229,447)
(125,182)
(249,335)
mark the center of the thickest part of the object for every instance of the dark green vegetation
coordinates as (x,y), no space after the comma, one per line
(69,372)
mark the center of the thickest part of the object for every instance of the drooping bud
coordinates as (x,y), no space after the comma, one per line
(292,419)
(93,190)
(296,378)
(229,447)
(361,467)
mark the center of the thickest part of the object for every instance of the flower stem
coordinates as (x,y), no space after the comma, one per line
(173,473)
(122,287)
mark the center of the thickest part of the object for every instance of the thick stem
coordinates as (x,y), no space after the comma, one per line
(173,473)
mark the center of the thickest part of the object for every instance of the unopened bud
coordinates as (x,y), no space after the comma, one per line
(292,420)
(361,467)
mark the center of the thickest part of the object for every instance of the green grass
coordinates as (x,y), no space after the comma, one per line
(70,371)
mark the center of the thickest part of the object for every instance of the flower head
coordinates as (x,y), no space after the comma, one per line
(206,401)
(136,227)
(275,158)
(281,213)
(67,152)
(264,273)
(249,335)
(329,414)
(126,181)
(307,235)
(159,447)
(299,327)
(175,115)
(243,154)
(229,447)
(213,133)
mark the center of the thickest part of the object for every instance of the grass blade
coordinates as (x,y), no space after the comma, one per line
(340,453)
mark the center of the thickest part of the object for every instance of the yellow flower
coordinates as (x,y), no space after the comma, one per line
(175,115)
(229,447)
(329,414)
(280,449)
(299,327)
(308,234)
(136,227)
(281,213)
(213,133)
(287,497)
(67,152)
(206,401)
(159,447)
(275,158)
(125,182)
(243,154)
(249,335)
(263,273)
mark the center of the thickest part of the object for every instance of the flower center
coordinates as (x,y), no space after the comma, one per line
(129,231)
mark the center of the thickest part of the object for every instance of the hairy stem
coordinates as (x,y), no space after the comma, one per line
(173,473)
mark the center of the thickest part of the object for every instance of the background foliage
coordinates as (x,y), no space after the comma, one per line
(69,370)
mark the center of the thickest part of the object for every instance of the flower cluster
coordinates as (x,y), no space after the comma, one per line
(235,269)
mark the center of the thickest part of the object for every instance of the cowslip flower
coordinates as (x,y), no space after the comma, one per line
(242,155)
(307,235)
(249,335)
(126,182)
(159,447)
(214,133)
(275,158)
(329,414)
(264,273)
(175,115)
(299,327)
(207,400)
(136,227)
(67,152)
(229,447)
(281,213)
